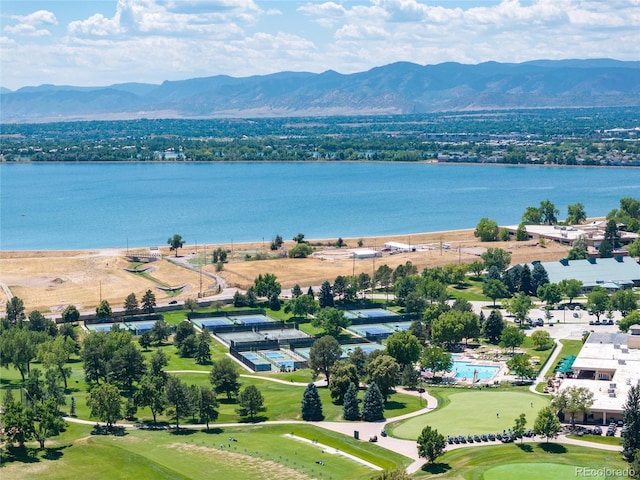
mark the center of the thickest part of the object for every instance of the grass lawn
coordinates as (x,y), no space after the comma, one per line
(472,411)
(569,347)
(604,440)
(530,461)
(260,452)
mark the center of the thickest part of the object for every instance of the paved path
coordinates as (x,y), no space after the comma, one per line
(550,361)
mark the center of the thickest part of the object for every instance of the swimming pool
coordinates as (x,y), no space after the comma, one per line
(466,370)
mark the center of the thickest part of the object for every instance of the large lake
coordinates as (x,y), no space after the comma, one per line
(79,206)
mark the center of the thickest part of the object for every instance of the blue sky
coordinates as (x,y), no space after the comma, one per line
(100,42)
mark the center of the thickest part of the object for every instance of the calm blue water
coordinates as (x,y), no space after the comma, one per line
(74,206)
(466,370)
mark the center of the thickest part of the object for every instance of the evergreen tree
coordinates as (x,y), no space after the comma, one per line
(325,296)
(372,404)
(611,240)
(493,326)
(351,403)
(311,404)
(274,302)
(631,419)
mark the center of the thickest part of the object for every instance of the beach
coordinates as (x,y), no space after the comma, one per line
(48,281)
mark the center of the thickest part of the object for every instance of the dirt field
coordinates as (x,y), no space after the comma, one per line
(49,281)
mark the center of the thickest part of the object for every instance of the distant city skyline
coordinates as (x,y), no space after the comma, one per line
(102,42)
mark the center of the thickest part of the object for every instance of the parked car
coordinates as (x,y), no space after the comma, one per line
(575,315)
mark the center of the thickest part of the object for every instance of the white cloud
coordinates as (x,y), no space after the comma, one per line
(30,25)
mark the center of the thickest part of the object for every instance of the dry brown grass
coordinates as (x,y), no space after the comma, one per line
(48,281)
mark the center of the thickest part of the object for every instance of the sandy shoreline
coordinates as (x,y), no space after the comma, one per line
(50,280)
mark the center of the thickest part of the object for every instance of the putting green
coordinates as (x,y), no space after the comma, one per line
(473,412)
(530,471)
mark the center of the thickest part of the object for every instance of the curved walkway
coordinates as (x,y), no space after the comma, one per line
(547,366)
(366,430)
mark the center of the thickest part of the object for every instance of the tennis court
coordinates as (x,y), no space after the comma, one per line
(250,319)
(371,330)
(280,358)
(211,323)
(248,336)
(260,364)
(373,313)
(136,328)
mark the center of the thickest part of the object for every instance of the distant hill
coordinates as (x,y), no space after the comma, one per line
(398,88)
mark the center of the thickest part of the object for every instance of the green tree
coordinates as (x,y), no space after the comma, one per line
(576,214)
(372,404)
(520,426)
(70,314)
(15,310)
(39,323)
(512,337)
(631,419)
(397,474)
(549,212)
(105,403)
(404,347)
(431,444)
(203,352)
(351,404)
(324,353)
(494,289)
(224,377)
(160,331)
(541,339)
(148,302)
(300,250)
(521,366)
(496,257)
(382,277)
(17,422)
(311,409)
(103,311)
(521,233)
(573,400)
(486,230)
(176,242)
(634,248)
(145,339)
(302,306)
(625,301)
(251,402)
(571,288)
(632,319)
(383,371)
(267,285)
(56,353)
(532,216)
(550,293)
(476,267)
(178,399)
(183,330)
(325,296)
(19,347)
(331,320)
(126,367)
(547,424)
(448,329)
(276,243)
(48,422)
(150,393)
(296,291)
(436,359)
(611,240)
(207,407)
(191,304)
(519,306)
(343,373)
(598,301)
(131,306)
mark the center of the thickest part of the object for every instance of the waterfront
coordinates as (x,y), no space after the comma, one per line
(80,206)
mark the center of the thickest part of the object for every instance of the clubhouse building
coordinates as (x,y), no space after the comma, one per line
(608,365)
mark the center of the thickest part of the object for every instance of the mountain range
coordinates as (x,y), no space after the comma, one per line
(398,88)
